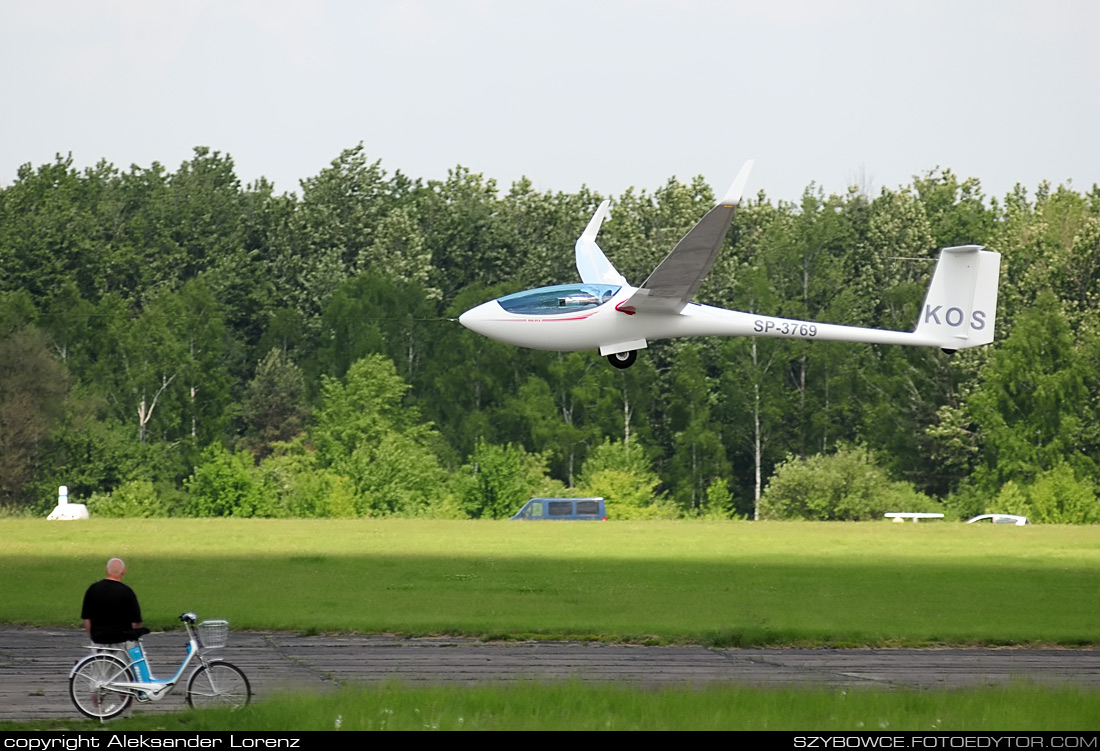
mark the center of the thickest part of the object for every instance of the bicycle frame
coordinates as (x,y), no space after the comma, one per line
(153,689)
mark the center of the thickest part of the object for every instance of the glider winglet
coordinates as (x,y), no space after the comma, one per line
(597,220)
(733,195)
(592,264)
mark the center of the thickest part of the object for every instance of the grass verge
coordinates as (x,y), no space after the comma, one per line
(578,706)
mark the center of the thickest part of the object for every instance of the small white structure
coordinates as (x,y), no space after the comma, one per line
(1012,519)
(66,511)
(916,516)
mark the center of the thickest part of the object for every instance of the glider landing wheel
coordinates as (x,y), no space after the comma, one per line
(623,360)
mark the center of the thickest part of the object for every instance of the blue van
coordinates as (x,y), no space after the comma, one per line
(562,509)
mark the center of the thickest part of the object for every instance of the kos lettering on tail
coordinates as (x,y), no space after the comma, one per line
(954,317)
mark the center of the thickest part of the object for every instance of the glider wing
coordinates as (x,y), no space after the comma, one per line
(676,280)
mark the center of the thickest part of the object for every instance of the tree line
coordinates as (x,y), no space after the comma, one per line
(177,343)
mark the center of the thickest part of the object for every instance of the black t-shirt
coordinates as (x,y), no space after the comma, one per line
(113,609)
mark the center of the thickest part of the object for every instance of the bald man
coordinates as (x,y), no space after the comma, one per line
(111,612)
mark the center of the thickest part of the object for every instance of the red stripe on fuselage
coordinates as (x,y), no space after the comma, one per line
(514,318)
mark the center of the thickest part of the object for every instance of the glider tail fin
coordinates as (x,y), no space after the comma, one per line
(960,309)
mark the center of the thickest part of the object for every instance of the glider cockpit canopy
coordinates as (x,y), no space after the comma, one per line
(559,299)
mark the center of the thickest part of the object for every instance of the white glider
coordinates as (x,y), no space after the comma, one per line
(604,312)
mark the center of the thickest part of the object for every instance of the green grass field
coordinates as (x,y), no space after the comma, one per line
(719,583)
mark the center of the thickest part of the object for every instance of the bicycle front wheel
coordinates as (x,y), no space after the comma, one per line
(218,684)
(89,687)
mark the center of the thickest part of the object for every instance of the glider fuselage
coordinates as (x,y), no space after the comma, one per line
(578,325)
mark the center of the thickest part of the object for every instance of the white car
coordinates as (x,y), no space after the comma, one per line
(1019,521)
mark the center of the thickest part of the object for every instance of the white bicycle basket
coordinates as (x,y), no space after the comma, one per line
(213,634)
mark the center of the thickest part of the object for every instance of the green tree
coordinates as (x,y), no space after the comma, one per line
(462,233)
(644,228)
(50,229)
(697,456)
(342,206)
(373,313)
(897,232)
(274,407)
(956,211)
(315,244)
(1035,407)
(622,475)
(68,320)
(206,215)
(754,402)
(17,310)
(33,389)
(1056,496)
(91,451)
(499,480)
(367,432)
(204,371)
(299,487)
(363,406)
(845,486)
(558,405)
(1049,245)
(173,366)
(131,500)
(223,485)
(544,227)
(467,379)
(141,253)
(400,252)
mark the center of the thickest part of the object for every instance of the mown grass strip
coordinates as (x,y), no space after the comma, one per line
(726,584)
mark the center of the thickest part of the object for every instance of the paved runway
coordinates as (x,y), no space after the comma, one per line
(34,665)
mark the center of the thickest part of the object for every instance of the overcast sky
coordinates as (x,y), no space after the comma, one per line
(607,93)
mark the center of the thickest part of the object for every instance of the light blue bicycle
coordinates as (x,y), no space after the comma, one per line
(103,684)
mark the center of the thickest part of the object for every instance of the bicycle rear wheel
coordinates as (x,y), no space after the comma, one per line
(218,684)
(89,687)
